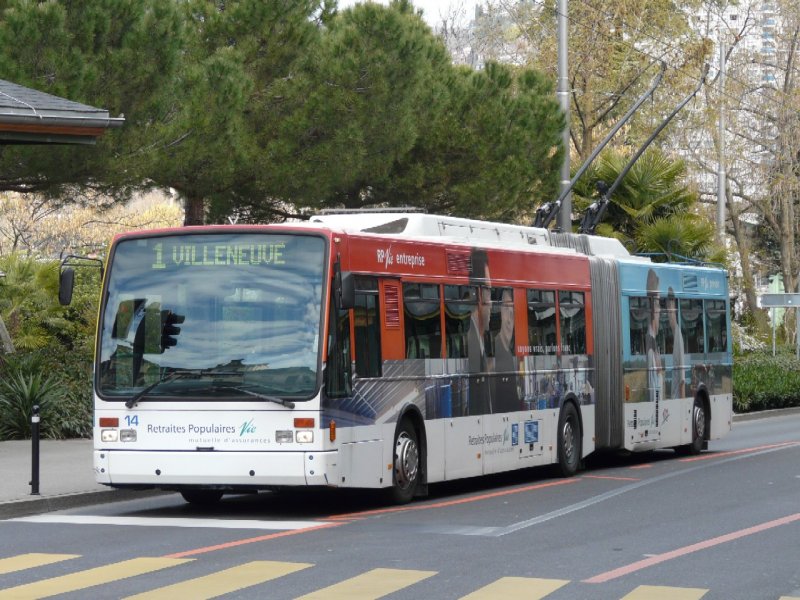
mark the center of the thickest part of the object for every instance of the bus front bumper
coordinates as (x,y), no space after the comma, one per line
(216,469)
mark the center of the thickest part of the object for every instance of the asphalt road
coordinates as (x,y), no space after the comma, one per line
(724,525)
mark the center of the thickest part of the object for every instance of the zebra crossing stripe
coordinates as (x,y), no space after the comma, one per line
(89,578)
(373,584)
(29,561)
(658,592)
(224,582)
(529,588)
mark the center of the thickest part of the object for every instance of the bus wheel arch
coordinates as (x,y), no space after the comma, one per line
(569,438)
(408,457)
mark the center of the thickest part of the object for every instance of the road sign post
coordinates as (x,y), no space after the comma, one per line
(788,300)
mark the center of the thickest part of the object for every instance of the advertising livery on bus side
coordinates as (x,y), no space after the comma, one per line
(395,350)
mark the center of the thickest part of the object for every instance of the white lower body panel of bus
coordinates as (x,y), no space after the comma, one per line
(239,469)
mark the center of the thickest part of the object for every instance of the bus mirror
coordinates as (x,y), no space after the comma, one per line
(347,291)
(66,283)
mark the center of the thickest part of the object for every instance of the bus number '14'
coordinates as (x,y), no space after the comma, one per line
(132,420)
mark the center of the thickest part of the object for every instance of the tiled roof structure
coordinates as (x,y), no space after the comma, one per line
(28,116)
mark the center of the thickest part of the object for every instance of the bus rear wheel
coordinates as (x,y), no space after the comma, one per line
(202,497)
(698,429)
(569,441)
(405,476)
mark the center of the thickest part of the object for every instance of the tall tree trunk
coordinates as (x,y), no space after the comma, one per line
(195,210)
(5,339)
(748,281)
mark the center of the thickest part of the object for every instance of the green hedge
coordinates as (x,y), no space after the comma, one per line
(762,381)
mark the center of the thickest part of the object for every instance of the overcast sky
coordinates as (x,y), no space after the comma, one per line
(433,9)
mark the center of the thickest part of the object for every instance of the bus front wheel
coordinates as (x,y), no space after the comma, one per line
(405,476)
(569,441)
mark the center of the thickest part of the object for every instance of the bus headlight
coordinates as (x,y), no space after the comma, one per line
(305,436)
(109,435)
(285,436)
(127,435)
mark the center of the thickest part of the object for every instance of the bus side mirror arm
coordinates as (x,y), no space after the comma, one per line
(66,274)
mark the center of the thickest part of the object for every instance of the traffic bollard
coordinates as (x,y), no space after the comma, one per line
(35,451)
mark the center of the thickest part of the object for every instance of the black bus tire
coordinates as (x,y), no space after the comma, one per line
(569,441)
(406,471)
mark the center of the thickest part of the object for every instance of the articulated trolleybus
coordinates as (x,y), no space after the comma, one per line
(394,350)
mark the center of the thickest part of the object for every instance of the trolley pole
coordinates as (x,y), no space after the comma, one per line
(721,175)
(35,451)
(565,214)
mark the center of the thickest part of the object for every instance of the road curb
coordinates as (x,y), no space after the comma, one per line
(766,414)
(37,505)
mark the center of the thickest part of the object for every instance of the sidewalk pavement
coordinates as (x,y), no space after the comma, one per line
(66,478)
(66,475)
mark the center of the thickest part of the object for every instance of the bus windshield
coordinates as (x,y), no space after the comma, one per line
(212,316)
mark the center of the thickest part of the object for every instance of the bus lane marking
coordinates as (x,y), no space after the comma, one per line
(737,455)
(171,522)
(252,540)
(448,503)
(680,552)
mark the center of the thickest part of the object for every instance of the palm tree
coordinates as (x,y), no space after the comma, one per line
(28,300)
(652,208)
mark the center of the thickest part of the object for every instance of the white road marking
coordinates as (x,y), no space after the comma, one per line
(171,522)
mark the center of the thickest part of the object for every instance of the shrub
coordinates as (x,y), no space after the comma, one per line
(19,393)
(762,381)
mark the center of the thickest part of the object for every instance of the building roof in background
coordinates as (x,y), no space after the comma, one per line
(28,116)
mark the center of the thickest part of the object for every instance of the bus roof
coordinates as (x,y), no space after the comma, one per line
(470,231)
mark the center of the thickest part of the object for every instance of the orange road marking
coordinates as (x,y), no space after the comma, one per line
(644,466)
(732,452)
(611,477)
(447,503)
(252,540)
(679,552)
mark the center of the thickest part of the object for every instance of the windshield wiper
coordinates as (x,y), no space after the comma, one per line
(281,401)
(171,376)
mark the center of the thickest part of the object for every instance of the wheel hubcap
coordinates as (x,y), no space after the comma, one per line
(406,460)
(699,421)
(568,434)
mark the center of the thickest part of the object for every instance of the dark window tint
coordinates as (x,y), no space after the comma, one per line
(573,322)
(423,331)
(459,303)
(639,318)
(542,321)
(716,326)
(692,326)
(366,323)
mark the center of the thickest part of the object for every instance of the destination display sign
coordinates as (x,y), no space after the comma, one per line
(183,254)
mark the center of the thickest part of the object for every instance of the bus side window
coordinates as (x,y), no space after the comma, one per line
(459,302)
(423,330)
(716,326)
(366,324)
(639,315)
(338,381)
(542,321)
(692,329)
(573,322)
